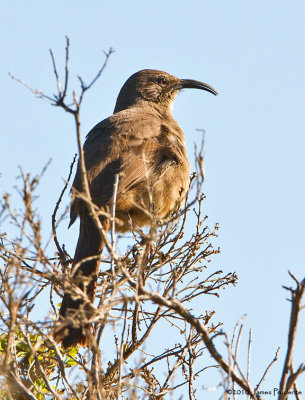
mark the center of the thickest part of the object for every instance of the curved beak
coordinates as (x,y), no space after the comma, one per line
(191,84)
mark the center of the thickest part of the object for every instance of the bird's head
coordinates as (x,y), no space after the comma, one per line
(157,87)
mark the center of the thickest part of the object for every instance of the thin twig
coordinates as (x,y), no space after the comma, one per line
(58,83)
(113,206)
(121,359)
(267,369)
(62,255)
(66,67)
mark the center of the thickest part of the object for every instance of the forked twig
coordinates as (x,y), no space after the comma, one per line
(287,380)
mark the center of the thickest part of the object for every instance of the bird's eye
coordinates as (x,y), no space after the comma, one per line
(162,81)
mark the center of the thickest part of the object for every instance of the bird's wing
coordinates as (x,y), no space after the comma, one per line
(124,143)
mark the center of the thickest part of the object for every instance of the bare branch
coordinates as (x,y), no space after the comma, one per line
(61,253)
(267,369)
(287,380)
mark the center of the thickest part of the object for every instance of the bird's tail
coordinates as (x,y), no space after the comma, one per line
(75,309)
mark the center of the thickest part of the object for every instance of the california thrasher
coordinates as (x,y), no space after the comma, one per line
(142,143)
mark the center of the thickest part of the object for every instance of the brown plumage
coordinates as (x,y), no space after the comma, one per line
(142,143)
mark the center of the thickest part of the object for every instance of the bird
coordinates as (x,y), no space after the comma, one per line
(144,146)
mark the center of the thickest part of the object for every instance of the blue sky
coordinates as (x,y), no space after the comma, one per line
(253,53)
